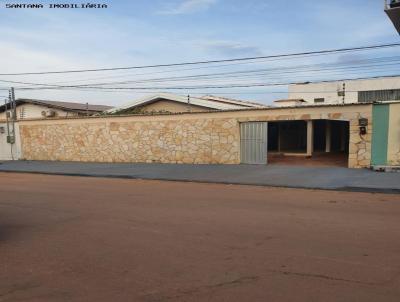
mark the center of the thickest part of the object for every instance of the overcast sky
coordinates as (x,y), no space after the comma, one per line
(136,32)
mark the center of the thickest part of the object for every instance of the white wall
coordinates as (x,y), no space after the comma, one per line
(6,152)
(329,90)
(35,111)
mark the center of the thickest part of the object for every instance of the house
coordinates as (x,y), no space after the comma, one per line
(346,92)
(40,109)
(172,103)
(357,135)
(392,9)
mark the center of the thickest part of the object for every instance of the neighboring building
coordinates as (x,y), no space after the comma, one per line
(348,91)
(289,102)
(392,9)
(38,109)
(172,103)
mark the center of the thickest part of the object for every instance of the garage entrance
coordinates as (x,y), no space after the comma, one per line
(253,143)
(310,143)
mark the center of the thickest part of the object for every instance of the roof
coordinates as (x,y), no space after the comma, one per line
(246,104)
(290,100)
(266,109)
(66,106)
(211,102)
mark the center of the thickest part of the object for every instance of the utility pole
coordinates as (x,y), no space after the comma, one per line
(11,114)
(12,117)
(188,101)
(6,102)
(14,103)
(344,92)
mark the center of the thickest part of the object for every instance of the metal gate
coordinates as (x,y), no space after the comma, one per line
(253,143)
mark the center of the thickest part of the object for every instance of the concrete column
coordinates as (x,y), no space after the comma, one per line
(310,138)
(279,137)
(342,137)
(328,134)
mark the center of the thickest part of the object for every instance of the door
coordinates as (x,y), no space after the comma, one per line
(380,131)
(253,143)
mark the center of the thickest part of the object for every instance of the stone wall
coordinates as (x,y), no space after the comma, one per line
(170,141)
(181,138)
(360,146)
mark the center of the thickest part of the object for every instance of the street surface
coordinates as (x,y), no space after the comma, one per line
(299,177)
(96,239)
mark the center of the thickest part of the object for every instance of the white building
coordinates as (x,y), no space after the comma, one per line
(348,91)
(10,145)
(38,109)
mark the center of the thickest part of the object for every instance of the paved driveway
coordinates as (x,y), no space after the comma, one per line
(334,178)
(92,239)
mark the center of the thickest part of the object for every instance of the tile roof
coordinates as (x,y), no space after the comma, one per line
(233,101)
(67,106)
(210,102)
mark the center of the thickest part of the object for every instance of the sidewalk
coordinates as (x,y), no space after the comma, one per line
(327,178)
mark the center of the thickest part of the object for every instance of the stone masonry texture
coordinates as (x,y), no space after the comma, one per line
(196,141)
(210,138)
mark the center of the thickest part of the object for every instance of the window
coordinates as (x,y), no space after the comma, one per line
(379,95)
(319,100)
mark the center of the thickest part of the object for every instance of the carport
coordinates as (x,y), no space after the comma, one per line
(298,142)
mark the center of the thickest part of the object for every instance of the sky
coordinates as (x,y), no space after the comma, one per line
(138,32)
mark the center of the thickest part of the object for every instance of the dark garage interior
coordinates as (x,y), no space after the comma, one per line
(288,140)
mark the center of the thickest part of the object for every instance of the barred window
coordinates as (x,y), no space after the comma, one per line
(379,95)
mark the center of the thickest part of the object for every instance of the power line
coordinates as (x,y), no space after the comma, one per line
(325,69)
(331,51)
(205,87)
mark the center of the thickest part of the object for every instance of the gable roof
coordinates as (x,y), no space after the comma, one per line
(246,104)
(66,106)
(213,103)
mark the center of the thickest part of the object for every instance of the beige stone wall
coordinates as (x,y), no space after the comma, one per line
(360,147)
(181,138)
(179,141)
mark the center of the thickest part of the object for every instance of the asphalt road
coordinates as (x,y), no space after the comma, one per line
(93,239)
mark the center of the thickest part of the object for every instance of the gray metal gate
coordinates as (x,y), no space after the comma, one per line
(253,143)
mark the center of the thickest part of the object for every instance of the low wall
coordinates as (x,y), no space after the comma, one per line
(196,141)
(181,138)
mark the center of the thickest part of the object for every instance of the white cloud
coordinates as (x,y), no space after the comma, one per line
(229,48)
(188,7)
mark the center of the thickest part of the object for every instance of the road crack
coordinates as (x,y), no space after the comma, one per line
(320,276)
